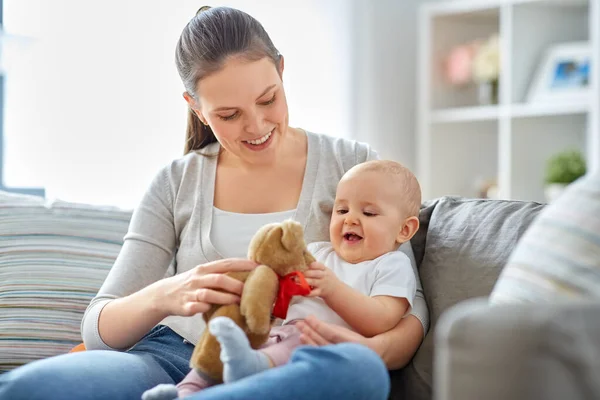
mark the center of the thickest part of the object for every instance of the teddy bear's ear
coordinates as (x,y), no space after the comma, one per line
(293,236)
(308,258)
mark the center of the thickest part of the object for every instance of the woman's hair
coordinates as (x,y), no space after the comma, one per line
(212,37)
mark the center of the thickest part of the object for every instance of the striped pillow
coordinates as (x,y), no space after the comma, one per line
(558,257)
(53,258)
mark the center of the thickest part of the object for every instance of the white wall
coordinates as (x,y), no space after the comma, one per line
(384,76)
(93,103)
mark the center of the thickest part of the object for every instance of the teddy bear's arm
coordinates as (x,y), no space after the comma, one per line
(260,291)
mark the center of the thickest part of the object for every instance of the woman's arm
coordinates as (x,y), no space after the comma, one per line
(186,294)
(121,312)
(396,346)
(136,309)
(135,297)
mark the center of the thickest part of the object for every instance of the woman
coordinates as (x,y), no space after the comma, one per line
(244,167)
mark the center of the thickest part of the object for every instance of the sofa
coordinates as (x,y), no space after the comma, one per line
(54,256)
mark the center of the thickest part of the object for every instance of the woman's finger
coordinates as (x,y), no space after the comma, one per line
(211,296)
(220,281)
(193,307)
(307,340)
(311,335)
(226,265)
(304,339)
(332,333)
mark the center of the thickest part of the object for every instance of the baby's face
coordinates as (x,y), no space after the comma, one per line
(367,217)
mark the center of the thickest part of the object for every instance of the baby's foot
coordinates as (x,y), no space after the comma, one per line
(239,359)
(161,392)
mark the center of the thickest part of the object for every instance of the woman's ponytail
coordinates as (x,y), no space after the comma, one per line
(197,134)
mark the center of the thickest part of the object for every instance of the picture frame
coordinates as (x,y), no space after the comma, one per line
(563,75)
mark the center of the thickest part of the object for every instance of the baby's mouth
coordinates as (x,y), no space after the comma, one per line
(352,237)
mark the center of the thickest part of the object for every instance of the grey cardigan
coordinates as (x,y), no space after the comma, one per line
(174,220)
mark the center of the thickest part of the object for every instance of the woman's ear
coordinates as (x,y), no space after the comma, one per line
(410,227)
(194,107)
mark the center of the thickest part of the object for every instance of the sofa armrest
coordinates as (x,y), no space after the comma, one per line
(518,351)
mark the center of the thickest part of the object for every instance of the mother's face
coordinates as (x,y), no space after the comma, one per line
(244,103)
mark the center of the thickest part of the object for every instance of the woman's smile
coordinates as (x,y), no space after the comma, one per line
(260,143)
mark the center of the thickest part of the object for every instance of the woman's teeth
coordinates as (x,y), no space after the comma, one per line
(260,140)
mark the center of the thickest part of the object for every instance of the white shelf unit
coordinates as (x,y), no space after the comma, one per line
(459,142)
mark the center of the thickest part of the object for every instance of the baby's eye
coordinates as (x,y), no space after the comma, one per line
(342,211)
(369,214)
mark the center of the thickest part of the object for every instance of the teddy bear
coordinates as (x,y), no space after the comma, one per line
(280,251)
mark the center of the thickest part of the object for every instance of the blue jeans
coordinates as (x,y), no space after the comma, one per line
(344,371)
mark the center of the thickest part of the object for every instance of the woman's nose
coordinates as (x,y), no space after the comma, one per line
(255,122)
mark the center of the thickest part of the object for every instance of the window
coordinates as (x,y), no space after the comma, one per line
(94,107)
(6,42)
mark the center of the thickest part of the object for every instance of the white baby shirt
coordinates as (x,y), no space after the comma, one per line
(388,275)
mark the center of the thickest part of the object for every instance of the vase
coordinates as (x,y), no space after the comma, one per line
(487,93)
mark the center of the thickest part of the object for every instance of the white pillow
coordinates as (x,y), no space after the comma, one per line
(558,257)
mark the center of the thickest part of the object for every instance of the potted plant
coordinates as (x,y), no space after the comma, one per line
(562,169)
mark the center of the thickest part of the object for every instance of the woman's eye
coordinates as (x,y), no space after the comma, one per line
(228,117)
(268,102)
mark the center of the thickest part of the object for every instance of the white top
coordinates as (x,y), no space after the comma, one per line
(388,275)
(231,232)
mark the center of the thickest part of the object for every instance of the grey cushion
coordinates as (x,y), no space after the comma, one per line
(518,351)
(467,242)
(54,257)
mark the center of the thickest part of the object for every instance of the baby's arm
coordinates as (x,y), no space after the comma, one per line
(367,315)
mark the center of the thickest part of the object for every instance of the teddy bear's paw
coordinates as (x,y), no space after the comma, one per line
(161,392)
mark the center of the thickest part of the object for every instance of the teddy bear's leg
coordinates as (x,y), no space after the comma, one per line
(206,356)
(239,359)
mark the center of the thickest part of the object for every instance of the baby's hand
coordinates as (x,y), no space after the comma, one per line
(321,279)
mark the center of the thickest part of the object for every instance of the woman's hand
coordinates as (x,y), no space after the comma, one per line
(318,333)
(396,347)
(196,290)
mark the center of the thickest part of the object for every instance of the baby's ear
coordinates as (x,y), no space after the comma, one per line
(410,227)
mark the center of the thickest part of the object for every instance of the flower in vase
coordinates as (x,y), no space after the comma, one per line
(486,62)
(459,63)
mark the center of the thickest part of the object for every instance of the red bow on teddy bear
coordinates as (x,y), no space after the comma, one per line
(290,285)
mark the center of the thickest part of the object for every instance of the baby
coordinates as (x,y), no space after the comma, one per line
(359,280)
